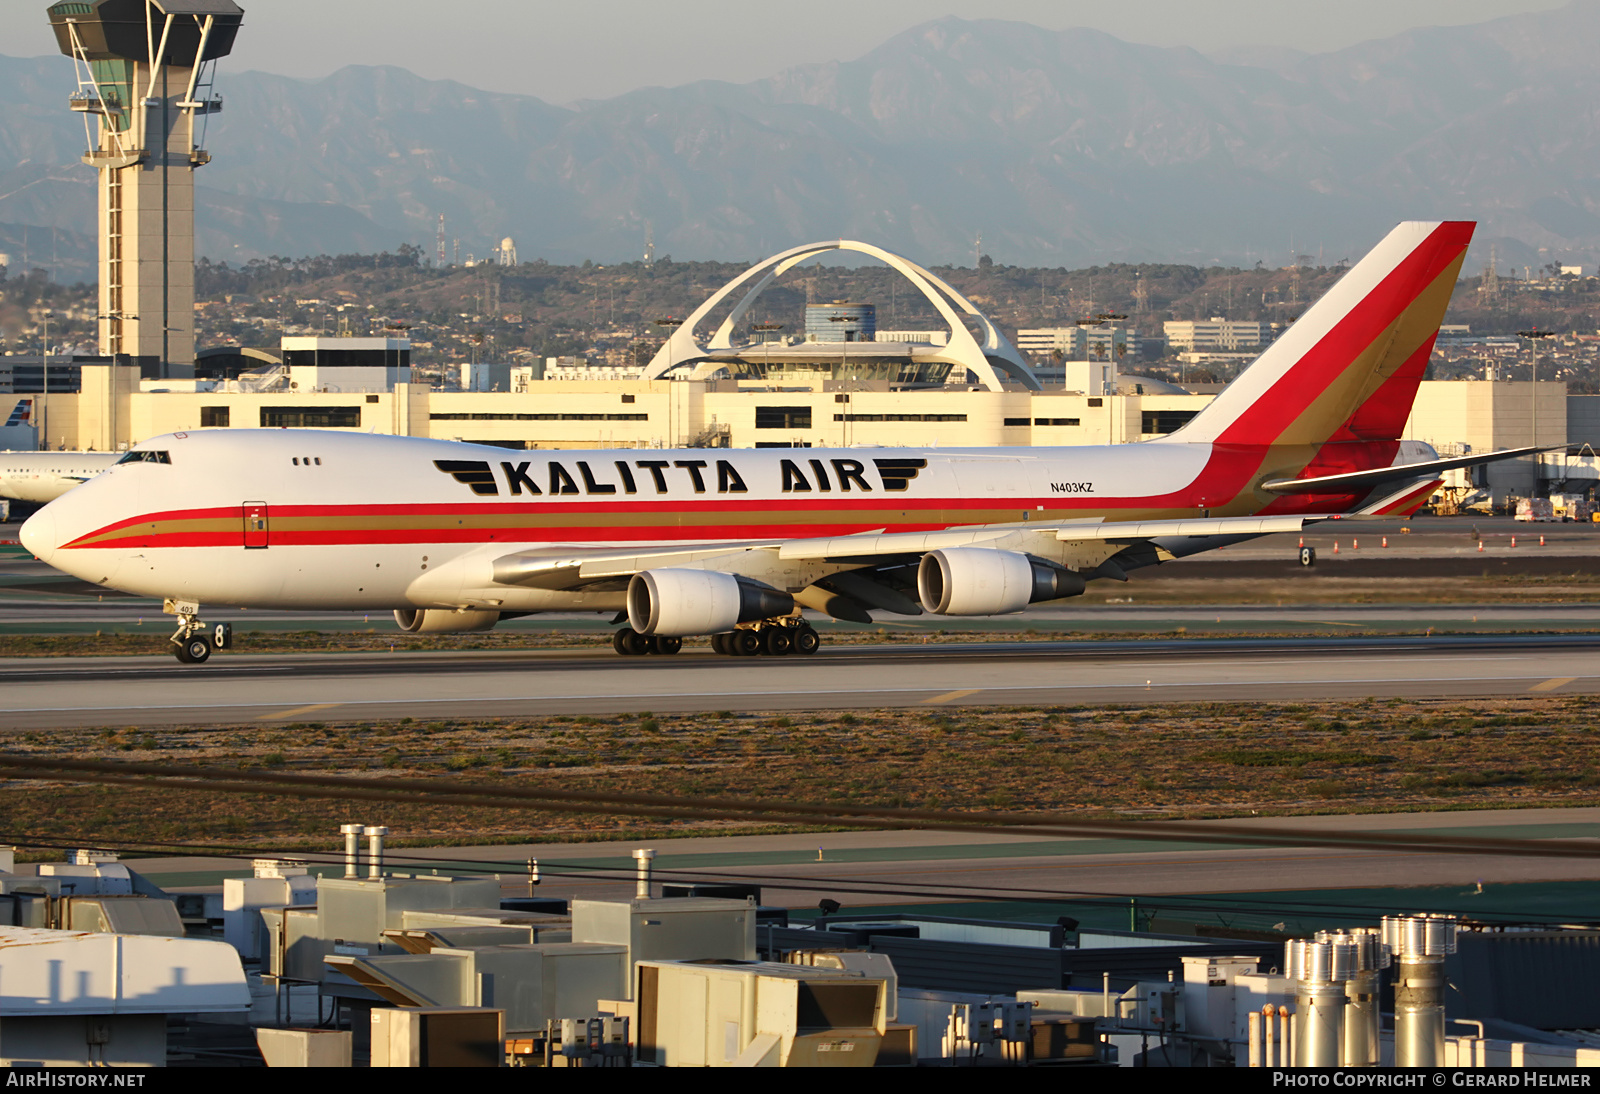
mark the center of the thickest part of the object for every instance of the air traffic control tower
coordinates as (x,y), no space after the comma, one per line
(144,73)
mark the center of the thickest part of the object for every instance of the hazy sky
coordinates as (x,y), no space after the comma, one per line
(579,49)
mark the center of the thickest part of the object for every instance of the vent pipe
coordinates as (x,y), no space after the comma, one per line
(375,834)
(1320,969)
(1361,1045)
(1420,943)
(352,849)
(643,856)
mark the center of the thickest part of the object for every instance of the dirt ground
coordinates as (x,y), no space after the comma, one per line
(1190,761)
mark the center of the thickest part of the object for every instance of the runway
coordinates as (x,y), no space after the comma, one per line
(156,690)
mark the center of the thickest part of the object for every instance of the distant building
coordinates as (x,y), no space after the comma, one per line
(24,373)
(347,364)
(1215,333)
(1076,343)
(580,368)
(486,376)
(841,322)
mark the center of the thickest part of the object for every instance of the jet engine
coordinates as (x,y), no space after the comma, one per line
(983,581)
(678,602)
(439,621)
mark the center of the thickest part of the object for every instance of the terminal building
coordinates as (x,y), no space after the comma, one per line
(838,382)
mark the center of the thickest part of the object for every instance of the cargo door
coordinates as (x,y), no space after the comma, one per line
(255,524)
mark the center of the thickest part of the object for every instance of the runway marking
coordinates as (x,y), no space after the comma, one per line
(1327,623)
(952,696)
(1553,683)
(295,711)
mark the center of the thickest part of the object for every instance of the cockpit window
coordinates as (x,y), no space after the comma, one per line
(146,456)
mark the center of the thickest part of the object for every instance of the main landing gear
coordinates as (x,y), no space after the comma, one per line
(193,641)
(630,643)
(769,639)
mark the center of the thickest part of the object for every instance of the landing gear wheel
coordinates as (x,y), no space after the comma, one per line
(776,642)
(719,644)
(630,643)
(668,644)
(193,651)
(744,643)
(1308,556)
(806,640)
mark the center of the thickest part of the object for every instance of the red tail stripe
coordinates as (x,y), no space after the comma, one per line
(1264,420)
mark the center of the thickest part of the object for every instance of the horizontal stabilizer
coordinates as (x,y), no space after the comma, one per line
(1355,481)
(1402,502)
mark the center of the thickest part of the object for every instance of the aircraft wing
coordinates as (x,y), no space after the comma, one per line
(869,545)
(566,568)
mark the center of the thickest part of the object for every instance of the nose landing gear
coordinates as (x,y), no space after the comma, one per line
(194,640)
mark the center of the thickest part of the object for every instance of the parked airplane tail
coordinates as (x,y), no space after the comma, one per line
(1348,368)
(20,413)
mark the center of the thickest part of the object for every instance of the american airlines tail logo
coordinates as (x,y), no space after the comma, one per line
(20,413)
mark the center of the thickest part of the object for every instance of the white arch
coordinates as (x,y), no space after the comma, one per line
(981,359)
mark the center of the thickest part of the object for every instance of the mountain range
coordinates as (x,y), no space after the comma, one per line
(1062,148)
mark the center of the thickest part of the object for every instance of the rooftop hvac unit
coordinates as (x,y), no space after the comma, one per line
(531,985)
(243,898)
(305,1047)
(292,949)
(121,915)
(684,928)
(353,913)
(438,1037)
(737,1013)
(857,963)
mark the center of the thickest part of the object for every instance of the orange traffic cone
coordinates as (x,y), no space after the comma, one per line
(1336,547)
(1513,541)
(1385,541)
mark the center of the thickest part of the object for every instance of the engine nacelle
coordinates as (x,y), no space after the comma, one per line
(678,603)
(983,581)
(440,621)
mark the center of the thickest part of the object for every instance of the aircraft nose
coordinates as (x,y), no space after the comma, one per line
(39,534)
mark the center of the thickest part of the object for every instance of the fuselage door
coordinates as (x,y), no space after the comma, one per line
(255,524)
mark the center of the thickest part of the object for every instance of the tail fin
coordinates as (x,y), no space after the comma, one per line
(1348,369)
(20,412)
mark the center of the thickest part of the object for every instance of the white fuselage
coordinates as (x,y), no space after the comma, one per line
(44,476)
(318,519)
